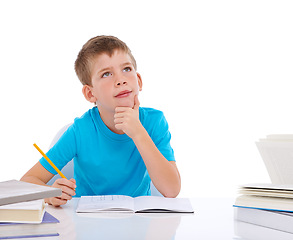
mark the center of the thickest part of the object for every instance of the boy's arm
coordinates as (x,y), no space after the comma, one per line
(164,174)
(39,175)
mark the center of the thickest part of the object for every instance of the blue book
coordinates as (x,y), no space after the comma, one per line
(48,227)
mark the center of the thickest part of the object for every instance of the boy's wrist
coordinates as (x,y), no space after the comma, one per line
(140,135)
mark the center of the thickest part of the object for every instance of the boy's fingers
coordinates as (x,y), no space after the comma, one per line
(66,182)
(58,201)
(118,120)
(136,102)
(118,126)
(120,109)
(119,115)
(65,196)
(72,180)
(68,190)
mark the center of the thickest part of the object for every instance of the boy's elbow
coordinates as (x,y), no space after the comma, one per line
(171,195)
(172,192)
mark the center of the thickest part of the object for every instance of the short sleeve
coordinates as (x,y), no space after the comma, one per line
(162,137)
(62,152)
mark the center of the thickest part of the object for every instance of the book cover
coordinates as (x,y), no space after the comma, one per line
(31,236)
(14,191)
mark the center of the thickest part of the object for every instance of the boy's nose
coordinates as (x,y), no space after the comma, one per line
(120,82)
(120,79)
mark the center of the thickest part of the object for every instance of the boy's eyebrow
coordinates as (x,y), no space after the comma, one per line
(127,63)
(108,68)
(103,69)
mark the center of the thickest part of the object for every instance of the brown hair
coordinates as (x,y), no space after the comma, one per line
(94,47)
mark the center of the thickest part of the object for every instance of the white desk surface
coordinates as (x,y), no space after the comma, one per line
(213,218)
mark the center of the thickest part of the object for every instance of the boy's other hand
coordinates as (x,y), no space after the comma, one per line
(68,190)
(127,119)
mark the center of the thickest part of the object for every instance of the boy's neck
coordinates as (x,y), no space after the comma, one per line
(108,119)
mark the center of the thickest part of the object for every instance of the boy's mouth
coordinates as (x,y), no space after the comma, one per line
(123,94)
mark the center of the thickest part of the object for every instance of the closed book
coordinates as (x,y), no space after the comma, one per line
(266,196)
(251,231)
(265,203)
(48,227)
(14,191)
(24,212)
(279,220)
(29,237)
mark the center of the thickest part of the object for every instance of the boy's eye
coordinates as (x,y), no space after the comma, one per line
(127,69)
(106,74)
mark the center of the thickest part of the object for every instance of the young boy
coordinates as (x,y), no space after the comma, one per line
(117,146)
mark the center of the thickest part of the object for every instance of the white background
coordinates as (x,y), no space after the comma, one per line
(220,70)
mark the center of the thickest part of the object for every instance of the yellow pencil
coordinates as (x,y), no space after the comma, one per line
(49,161)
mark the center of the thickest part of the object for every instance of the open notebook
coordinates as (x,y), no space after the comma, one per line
(143,204)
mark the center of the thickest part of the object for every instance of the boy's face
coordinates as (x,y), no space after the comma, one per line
(114,81)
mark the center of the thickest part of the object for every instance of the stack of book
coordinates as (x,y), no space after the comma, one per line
(22,210)
(267,205)
(270,205)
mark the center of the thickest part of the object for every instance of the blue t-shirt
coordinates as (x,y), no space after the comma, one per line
(107,163)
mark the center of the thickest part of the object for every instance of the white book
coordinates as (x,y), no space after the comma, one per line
(266,196)
(276,151)
(265,203)
(121,203)
(267,190)
(23,212)
(14,191)
(282,221)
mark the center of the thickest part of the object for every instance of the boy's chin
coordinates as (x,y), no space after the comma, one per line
(126,105)
(129,104)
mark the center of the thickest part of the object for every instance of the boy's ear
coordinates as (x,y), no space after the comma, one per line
(139,80)
(88,94)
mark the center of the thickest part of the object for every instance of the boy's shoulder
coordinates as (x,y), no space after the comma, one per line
(150,112)
(151,116)
(86,117)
